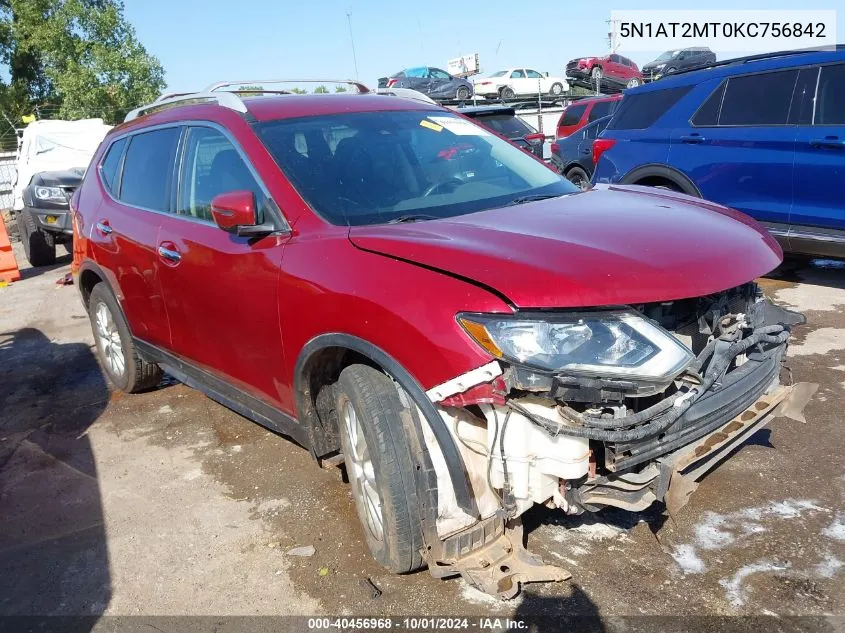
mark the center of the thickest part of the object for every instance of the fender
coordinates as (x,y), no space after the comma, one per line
(106,277)
(307,415)
(686,185)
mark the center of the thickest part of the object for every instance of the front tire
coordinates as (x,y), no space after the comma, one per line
(597,73)
(38,249)
(633,82)
(126,370)
(380,466)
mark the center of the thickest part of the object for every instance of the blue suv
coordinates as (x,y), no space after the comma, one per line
(762,134)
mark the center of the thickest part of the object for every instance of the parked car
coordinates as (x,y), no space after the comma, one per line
(673,61)
(52,158)
(514,82)
(434,82)
(572,156)
(384,279)
(579,113)
(503,121)
(765,135)
(611,70)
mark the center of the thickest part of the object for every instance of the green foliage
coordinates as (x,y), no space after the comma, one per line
(80,56)
(321,90)
(340,89)
(249,91)
(298,91)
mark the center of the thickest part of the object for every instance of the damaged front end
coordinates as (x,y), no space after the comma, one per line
(584,410)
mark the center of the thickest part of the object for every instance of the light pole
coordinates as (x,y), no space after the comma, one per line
(352,39)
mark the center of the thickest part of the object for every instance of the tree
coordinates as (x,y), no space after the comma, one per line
(340,88)
(81,56)
(298,91)
(321,90)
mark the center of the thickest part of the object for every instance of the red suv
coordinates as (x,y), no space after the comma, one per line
(384,279)
(614,70)
(579,113)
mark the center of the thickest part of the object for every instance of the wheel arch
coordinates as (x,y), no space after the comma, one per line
(327,354)
(655,172)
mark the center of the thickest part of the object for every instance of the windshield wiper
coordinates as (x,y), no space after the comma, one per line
(534,198)
(412,217)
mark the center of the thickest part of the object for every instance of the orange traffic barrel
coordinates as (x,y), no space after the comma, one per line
(8,266)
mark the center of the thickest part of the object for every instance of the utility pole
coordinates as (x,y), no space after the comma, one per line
(352,39)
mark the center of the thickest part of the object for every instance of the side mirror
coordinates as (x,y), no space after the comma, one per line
(234,212)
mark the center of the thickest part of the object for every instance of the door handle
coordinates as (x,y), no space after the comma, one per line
(169,254)
(104,228)
(831,142)
(692,139)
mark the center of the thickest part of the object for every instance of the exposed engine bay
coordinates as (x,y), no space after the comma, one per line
(581,438)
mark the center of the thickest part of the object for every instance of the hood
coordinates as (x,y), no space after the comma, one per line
(612,245)
(60,178)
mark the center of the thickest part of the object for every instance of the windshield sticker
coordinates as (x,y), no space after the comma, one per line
(459,127)
(431,126)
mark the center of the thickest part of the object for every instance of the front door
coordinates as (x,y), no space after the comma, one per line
(820,156)
(221,290)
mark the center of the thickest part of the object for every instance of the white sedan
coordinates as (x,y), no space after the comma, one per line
(519,82)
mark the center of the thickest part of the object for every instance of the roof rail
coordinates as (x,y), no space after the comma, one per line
(229,98)
(226,99)
(759,57)
(261,82)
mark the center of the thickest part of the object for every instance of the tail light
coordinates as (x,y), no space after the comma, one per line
(391,83)
(600,146)
(555,148)
(535,139)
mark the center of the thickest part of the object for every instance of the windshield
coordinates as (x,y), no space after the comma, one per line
(377,167)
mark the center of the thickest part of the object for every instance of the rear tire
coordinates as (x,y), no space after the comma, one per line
(38,249)
(380,466)
(578,177)
(126,370)
(462,93)
(556,90)
(507,93)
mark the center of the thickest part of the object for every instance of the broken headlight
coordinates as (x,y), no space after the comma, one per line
(617,344)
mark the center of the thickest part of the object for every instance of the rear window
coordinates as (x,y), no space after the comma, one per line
(572,114)
(708,113)
(506,125)
(601,110)
(147,169)
(108,168)
(639,111)
(758,99)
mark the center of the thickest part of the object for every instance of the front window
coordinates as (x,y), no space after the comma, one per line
(380,167)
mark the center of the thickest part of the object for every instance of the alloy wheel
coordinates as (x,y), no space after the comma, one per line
(362,476)
(109,341)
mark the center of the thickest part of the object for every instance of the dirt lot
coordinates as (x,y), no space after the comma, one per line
(167,503)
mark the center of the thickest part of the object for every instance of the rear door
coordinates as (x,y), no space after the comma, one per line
(221,289)
(136,175)
(740,148)
(819,199)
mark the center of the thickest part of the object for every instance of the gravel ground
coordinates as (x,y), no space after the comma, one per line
(166,503)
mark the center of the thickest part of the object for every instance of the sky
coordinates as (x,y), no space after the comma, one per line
(203,41)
